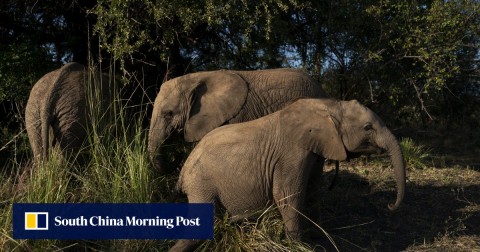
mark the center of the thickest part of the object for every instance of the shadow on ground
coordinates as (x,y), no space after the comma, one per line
(358,219)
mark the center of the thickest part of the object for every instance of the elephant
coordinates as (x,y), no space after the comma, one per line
(247,166)
(200,102)
(56,114)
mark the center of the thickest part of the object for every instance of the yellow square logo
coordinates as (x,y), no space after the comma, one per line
(36,221)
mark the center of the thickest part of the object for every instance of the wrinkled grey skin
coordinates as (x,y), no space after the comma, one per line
(200,102)
(249,165)
(56,111)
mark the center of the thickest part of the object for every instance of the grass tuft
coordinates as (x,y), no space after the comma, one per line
(416,155)
(264,233)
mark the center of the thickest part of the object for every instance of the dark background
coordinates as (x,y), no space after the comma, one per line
(415,63)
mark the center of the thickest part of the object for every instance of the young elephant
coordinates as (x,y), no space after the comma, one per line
(246,166)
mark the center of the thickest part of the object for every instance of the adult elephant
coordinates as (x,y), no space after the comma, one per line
(248,165)
(200,102)
(56,112)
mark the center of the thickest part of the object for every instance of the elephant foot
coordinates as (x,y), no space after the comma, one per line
(185,245)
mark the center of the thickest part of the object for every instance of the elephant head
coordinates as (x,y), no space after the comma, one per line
(195,103)
(342,129)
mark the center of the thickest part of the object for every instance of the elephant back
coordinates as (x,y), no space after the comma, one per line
(271,90)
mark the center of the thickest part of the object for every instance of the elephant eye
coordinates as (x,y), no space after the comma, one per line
(168,114)
(367,127)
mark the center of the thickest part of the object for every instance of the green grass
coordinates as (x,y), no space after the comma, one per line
(416,155)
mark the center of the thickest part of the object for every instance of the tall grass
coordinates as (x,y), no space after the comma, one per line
(49,182)
(118,170)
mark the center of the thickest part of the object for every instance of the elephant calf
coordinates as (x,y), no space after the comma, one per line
(56,111)
(248,165)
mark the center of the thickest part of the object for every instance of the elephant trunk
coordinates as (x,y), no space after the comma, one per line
(156,137)
(390,143)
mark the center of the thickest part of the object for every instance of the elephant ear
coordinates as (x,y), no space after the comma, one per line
(312,128)
(217,97)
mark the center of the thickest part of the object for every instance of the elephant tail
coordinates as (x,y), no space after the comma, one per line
(45,127)
(48,106)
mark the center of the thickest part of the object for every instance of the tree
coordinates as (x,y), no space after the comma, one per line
(408,59)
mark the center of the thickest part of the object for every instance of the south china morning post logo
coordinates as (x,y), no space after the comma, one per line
(112,221)
(105,221)
(36,221)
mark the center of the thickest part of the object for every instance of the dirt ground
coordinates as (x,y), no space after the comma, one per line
(441,210)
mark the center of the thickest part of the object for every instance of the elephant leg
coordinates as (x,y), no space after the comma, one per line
(290,209)
(196,193)
(70,134)
(315,181)
(314,190)
(185,245)
(196,185)
(289,196)
(290,190)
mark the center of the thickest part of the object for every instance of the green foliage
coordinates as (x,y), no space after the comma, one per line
(35,38)
(408,58)
(416,156)
(415,60)
(20,67)
(429,35)
(188,29)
